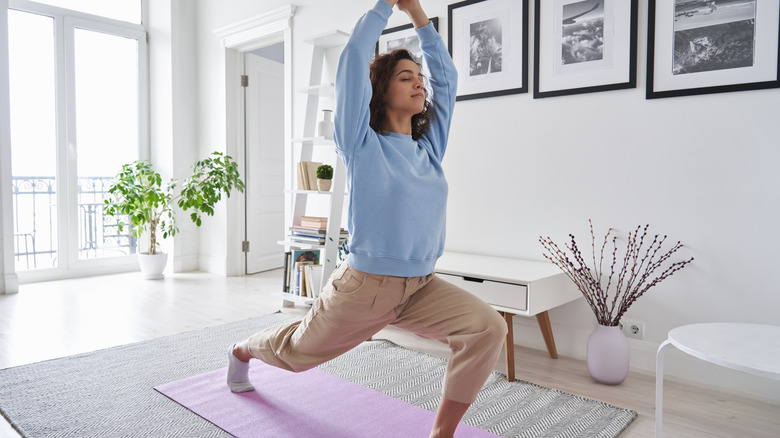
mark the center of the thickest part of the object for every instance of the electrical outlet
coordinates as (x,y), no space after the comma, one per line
(633,328)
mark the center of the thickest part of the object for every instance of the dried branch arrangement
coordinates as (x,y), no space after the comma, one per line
(627,281)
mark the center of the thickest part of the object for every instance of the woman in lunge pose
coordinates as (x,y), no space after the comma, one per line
(392,139)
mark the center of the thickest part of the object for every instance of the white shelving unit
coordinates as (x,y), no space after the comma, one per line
(307,143)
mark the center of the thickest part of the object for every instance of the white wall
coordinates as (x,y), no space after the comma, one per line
(173,109)
(9,282)
(700,169)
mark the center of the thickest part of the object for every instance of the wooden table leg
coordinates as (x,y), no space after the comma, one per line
(544,325)
(509,347)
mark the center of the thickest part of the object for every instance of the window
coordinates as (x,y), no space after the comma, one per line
(33,139)
(122,10)
(78,112)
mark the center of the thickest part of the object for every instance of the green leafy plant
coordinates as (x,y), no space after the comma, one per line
(325,171)
(139,194)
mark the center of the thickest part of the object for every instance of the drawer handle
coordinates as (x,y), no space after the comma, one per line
(474,279)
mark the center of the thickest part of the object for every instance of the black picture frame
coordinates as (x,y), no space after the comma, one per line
(502,25)
(710,63)
(407,34)
(592,48)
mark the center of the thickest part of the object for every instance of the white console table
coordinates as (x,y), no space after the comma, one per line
(512,287)
(750,348)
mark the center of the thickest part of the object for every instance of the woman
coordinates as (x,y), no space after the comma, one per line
(392,144)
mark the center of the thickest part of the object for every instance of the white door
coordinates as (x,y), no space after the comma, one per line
(264,122)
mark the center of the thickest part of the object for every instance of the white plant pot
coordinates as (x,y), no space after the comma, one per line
(323,185)
(152,266)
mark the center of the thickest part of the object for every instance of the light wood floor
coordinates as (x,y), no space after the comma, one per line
(62,318)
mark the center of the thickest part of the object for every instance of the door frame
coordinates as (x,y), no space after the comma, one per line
(253,33)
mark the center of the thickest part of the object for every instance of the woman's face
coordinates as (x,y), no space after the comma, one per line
(406,91)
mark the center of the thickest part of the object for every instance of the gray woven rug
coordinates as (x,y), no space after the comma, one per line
(108,393)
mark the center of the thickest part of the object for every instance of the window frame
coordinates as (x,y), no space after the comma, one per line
(65,22)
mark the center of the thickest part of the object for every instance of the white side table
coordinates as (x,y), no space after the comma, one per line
(751,348)
(512,287)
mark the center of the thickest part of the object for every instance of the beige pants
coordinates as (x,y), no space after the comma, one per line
(355,305)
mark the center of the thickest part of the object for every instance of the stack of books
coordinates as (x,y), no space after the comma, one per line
(311,230)
(314,222)
(312,236)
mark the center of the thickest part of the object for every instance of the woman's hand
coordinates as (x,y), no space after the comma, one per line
(415,12)
(408,5)
(392,2)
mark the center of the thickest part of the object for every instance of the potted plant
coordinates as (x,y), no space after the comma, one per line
(139,195)
(324,177)
(610,296)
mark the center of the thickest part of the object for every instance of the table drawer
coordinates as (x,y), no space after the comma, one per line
(497,293)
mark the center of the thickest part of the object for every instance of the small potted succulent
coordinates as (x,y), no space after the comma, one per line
(138,196)
(324,177)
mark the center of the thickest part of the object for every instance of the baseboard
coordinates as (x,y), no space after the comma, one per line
(212,265)
(10,284)
(678,366)
(185,264)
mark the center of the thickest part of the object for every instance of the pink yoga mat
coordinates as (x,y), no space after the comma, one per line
(309,404)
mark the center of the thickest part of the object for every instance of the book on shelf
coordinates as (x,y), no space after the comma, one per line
(307,281)
(300,173)
(307,175)
(300,278)
(311,232)
(312,222)
(286,279)
(312,237)
(313,275)
(307,239)
(319,219)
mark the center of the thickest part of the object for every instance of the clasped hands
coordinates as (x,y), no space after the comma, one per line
(405,5)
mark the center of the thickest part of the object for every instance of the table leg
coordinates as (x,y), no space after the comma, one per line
(544,325)
(659,387)
(509,347)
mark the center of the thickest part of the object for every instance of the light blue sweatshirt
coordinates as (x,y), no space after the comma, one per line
(397,190)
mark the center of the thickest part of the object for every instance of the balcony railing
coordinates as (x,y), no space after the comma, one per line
(35,222)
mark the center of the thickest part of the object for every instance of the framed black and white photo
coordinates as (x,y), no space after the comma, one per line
(584,46)
(402,37)
(700,47)
(488,42)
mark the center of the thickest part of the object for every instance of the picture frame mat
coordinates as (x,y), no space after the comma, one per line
(619,69)
(661,60)
(513,76)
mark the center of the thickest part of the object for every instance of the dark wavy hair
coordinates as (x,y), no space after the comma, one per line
(382,69)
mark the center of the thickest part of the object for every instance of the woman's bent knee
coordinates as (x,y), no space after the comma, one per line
(498,327)
(492,327)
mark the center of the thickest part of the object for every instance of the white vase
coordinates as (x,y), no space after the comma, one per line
(325,127)
(152,265)
(608,355)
